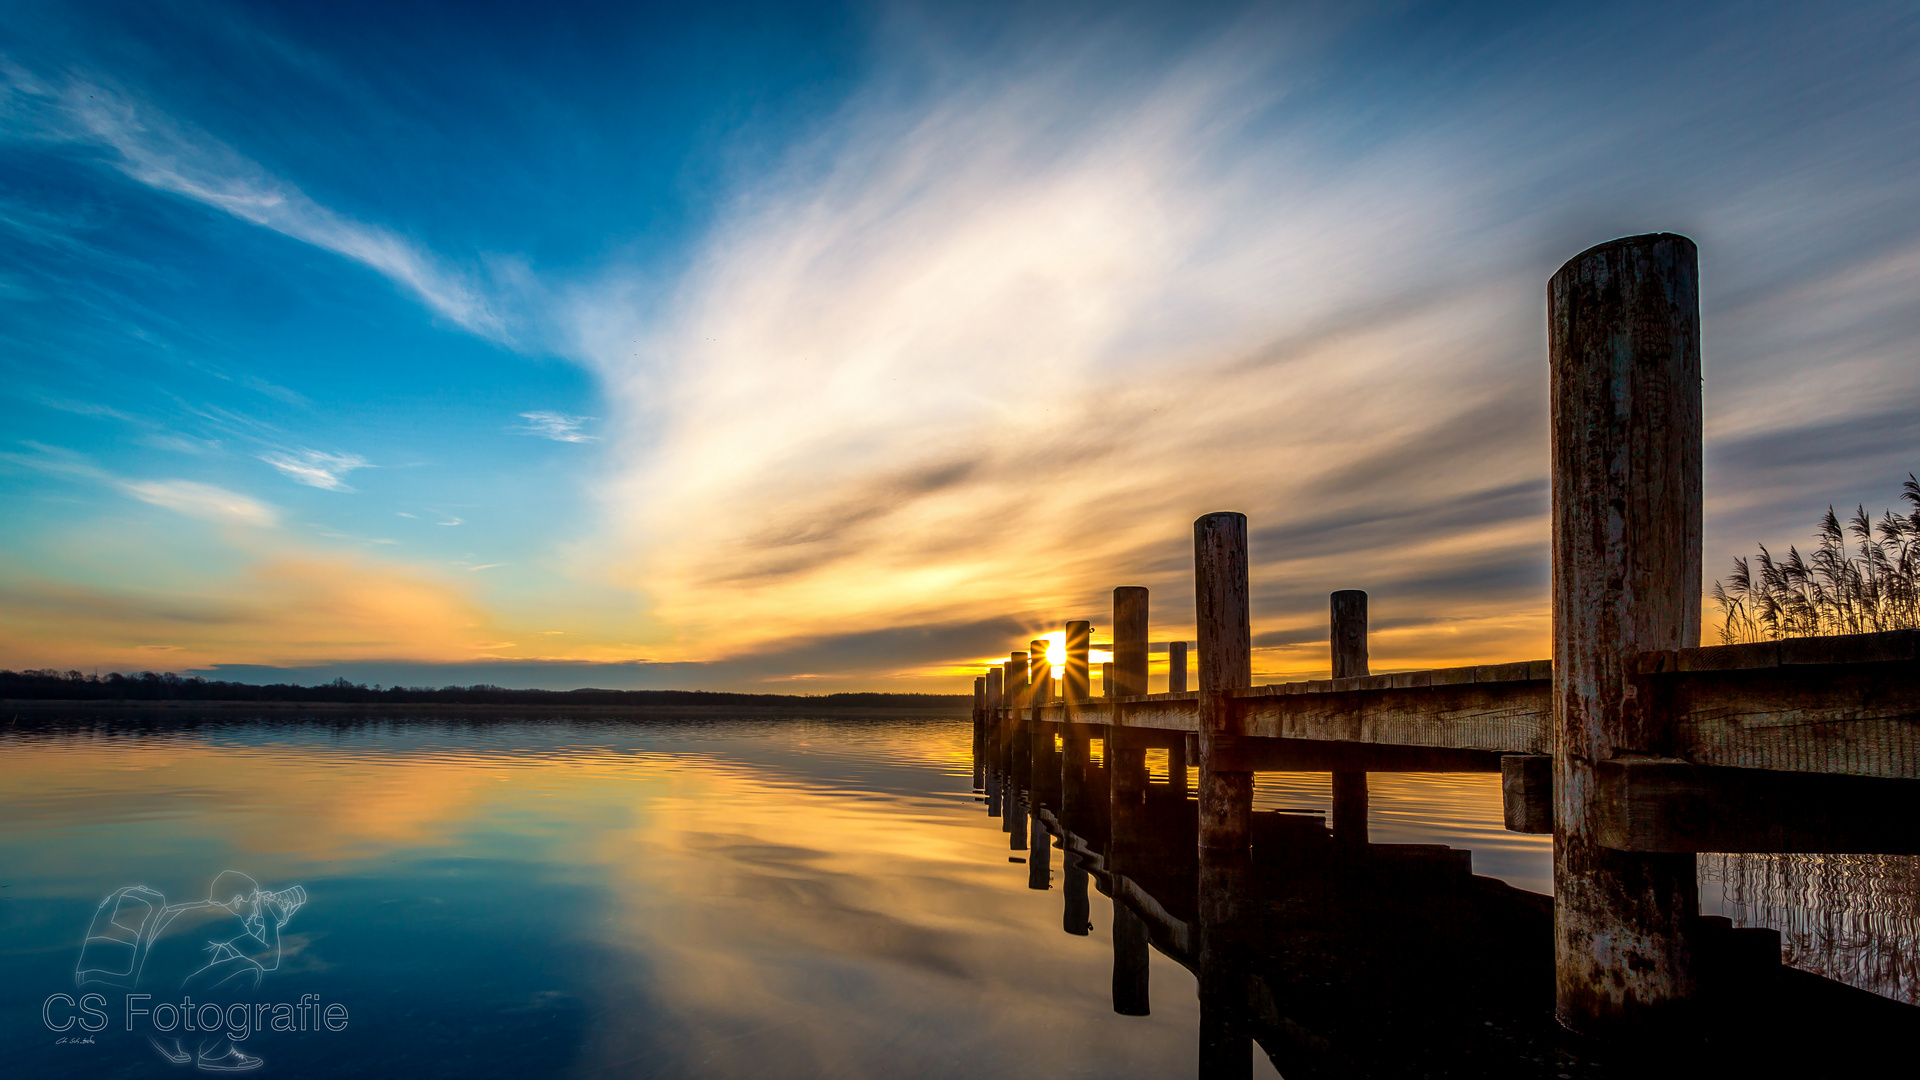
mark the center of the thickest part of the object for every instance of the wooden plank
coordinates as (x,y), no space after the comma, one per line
(1526,792)
(1316,755)
(1669,805)
(1504,716)
(1509,716)
(1858,719)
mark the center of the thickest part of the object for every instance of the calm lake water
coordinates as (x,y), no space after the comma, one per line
(759,898)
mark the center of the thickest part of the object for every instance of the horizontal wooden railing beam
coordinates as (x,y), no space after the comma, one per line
(1839,705)
(1668,805)
(1316,755)
(1492,709)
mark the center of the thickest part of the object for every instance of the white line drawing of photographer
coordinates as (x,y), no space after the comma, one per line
(219,948)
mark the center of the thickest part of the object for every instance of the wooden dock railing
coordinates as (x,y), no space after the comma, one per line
(1634,746)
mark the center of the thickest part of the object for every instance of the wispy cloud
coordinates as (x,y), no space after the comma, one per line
(986,350)
(190,497)
(171,155)
(316,468)
(558,426)
(204,501)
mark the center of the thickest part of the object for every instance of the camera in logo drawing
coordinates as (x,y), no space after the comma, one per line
(214,952)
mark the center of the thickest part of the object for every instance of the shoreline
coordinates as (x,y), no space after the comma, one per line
(46,705)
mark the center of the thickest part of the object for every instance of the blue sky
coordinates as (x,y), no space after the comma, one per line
(813,347)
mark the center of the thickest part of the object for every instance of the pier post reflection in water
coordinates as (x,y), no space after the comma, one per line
(979,733)
(1039,855)
(1127,792)
(1075,913)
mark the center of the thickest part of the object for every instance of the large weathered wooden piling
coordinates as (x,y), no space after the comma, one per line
(1349,647)
(1624,347)
(1222,611)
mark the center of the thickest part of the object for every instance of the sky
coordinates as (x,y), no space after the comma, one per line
(803,348)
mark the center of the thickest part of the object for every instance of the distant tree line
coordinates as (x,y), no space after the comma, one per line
(50,685)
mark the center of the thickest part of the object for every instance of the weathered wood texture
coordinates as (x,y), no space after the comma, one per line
(1623,331)
(1348,636)
(1846,705)
(1526,792)
(1319,755)
(1224,618)
(1667,805)
(1507,711)
(1510,715)
(1223,615)
(1130,628)
(1854,715)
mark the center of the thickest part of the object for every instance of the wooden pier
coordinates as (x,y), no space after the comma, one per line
(1633,746)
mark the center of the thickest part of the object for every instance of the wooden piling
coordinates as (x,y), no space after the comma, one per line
(1019,756)
(979,733)
(1127,750)
(991,709)
(1076,688)
(1019,762)
(1624,348)
(1349,648)
(1130,628)
(1044,767)
(1223,614)
(1226,664)
(1074,735)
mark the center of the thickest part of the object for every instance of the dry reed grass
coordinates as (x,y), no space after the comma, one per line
(1868,585)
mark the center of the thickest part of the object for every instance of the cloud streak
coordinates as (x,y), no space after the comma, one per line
(558,426)
(316,468)
(204,501)
(170,155)
(986,350)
